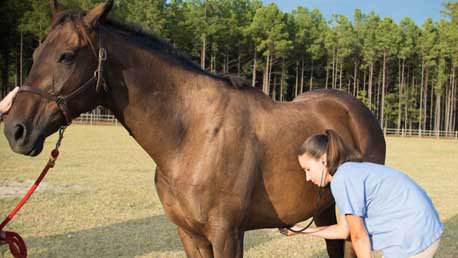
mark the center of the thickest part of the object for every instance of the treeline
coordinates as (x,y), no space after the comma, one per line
(405,73)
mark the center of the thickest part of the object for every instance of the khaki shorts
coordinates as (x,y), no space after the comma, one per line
(428,252)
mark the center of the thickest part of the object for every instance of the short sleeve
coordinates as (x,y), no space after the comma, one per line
(349,194)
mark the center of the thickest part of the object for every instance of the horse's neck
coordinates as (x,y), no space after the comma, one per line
(146,94)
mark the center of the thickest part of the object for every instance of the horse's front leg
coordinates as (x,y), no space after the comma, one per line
(227,242)
(195,246)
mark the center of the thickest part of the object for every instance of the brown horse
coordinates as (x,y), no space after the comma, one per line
(226,154)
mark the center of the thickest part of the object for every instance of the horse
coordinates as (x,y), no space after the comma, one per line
(225,153)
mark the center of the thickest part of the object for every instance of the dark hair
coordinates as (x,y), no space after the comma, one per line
(332,144)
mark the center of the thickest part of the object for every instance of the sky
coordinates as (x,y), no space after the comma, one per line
(418,10)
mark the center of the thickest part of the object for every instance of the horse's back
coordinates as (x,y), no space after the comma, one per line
(363,127)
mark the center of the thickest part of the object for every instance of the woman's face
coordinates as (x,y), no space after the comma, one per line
(315,169)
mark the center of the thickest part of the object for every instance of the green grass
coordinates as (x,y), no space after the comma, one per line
(100,200)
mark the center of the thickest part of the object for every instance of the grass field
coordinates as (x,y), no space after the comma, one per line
(100,199)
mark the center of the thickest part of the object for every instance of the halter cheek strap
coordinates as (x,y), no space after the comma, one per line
(62,100)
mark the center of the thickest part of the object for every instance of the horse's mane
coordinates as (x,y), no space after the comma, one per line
(152,41)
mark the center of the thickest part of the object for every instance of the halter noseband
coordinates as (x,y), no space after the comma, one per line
(62,100)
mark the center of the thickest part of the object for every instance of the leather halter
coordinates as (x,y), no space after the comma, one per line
(62,100)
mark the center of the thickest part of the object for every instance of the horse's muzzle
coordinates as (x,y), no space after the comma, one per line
(23,139)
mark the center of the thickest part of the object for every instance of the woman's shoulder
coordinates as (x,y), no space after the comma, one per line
(357,164)
(352,168)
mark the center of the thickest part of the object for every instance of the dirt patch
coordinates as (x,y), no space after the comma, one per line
(18,188)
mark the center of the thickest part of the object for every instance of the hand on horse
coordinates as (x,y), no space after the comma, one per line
(6,103)
(287,232)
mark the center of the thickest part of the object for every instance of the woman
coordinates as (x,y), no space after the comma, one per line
(6,103)
(380,208)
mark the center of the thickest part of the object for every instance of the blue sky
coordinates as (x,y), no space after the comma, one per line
(418,10)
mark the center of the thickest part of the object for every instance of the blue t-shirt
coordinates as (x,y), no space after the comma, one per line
(398,214)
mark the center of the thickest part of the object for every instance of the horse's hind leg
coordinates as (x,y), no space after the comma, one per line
(335,248)
(194,245)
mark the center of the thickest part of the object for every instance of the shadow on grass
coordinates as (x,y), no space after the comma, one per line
(138,237)
(127,239)
(449,247)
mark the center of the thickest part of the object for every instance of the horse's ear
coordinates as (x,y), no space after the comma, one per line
(56,8)
(98,13)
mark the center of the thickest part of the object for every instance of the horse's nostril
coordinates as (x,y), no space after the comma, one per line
(19,132)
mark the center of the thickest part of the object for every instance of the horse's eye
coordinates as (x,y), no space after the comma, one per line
(66,58)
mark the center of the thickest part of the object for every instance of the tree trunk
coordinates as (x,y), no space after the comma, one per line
(382,105)
(425,97)
(364,82)
(340,77)
(5,72)
(266,75)
(270,73)
(336,72)
(274,89)
(454,100)
(282,78)
(448,88)
(420,121)
(225,63)
(369,90)
(253,80)
(21,62)
(379,83)
(406,95)
(437,122)
(203,50)
(409,93)
(333,67)
(311,77)
(327,74)
(431,116)
(297,78)
(452,97)
(355,78)
(211,61)
(302,76)
(239,61)
(401,85)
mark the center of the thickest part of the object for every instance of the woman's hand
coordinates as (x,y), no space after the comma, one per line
(6,103)
(287,232)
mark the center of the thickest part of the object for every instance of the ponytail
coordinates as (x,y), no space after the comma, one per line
(332,144)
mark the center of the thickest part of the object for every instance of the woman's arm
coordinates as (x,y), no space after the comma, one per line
(359,236)
(337,231)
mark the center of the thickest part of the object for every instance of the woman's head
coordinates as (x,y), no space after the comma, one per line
(321,154)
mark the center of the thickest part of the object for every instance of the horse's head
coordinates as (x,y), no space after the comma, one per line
(62,81)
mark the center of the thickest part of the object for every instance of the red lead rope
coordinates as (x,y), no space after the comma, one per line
(14,240)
